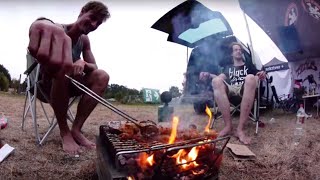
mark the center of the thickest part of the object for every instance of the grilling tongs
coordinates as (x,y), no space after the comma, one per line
(147,128)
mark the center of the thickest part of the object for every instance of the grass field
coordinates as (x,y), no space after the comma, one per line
(277,157)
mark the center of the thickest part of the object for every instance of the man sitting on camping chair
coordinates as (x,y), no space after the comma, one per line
(238,79)
(57,47)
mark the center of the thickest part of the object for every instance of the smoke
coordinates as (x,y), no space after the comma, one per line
(208,52)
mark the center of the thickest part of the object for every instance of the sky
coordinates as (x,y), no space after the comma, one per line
(125,46)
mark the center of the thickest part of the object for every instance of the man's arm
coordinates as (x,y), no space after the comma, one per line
(90,63)
(261,74)
(49,44)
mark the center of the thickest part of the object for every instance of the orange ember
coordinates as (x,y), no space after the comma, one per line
(209,113)
(150,160)
(145,161)
(173,134)
(187,161)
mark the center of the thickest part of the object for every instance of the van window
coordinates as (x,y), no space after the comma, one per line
(205,29)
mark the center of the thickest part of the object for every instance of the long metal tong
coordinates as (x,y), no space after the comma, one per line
(148,129)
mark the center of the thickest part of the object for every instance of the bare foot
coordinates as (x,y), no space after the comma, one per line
(69,145)
(225,131)
(83,141)
(242,137)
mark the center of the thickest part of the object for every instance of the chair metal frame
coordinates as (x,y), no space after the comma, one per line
(254,116)
(32,78)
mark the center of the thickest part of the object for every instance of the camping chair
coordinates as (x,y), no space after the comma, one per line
(35,91)
(235,103)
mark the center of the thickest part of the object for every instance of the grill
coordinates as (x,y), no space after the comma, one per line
(117,157)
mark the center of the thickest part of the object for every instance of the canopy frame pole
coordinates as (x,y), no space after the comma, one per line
(250,39)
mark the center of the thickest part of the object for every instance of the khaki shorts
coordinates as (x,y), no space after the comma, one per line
(234,90)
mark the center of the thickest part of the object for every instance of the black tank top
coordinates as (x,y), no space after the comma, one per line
(76,48)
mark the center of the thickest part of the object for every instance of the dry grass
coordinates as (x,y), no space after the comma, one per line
(277,158)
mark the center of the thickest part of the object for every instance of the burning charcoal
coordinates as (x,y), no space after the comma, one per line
(211,134)
(185,178)
(177,177)
(193,126)
(164,130)
(128,156)
(131,161)
(122,160)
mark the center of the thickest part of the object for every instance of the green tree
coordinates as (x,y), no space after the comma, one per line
(4,82)
(15,84)
(5,72)
(122,94)
(174,91)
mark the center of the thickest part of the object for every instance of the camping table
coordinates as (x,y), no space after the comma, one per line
(304,97)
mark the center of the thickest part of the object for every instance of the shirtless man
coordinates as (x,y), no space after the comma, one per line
(58,48)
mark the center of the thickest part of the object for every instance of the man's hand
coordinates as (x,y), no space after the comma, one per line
(205,76)
(78,67)
(261,75)
(51,46)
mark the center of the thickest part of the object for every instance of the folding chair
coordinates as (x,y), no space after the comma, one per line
(235,103)
(35,91)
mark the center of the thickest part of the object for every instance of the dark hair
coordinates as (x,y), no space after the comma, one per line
(97,8)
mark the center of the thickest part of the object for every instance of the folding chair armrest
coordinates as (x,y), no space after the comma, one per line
(30,69)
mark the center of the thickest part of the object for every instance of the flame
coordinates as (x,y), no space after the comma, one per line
(187,161)
(199,172)
(145,161)
(209,113)
(173,134)
(130,178)
(150,160)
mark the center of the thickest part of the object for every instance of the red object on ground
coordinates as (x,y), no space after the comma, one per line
(261,124)
(3,122)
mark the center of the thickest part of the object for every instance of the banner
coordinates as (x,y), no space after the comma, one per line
(293,25)
(307,73)
(151,95)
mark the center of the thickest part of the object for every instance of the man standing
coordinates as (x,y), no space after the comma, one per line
(58,48)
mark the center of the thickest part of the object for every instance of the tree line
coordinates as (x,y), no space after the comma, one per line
(119,93)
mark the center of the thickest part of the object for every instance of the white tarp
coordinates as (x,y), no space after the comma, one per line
(264,48)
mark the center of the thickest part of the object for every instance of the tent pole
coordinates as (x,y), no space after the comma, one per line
(187,53)
(250,40)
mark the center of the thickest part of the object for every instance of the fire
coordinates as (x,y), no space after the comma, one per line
(187,161)
(173,134)
(150,160)
(130,178)
(145,161)
(209,113)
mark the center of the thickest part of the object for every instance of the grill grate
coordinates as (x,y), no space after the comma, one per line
(124,155)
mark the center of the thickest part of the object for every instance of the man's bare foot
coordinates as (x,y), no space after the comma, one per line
(225,131)
(69,145)
(83,141)
(242,137)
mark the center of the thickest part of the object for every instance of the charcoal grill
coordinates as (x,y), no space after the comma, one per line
(114,155)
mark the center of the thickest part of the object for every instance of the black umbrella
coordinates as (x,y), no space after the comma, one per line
(293,25)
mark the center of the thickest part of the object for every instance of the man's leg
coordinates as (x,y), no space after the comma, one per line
(97,81)
(250,86)
(59,101)
(221,97)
